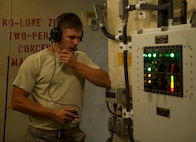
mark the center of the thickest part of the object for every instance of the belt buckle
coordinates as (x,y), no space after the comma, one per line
(60,134)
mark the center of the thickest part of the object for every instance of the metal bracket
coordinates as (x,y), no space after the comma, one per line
(141,13)
(123,46)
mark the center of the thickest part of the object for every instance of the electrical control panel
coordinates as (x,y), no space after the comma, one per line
(163,70)
(164,84)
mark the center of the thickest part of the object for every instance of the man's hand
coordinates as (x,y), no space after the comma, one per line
(67,57)
(65,115)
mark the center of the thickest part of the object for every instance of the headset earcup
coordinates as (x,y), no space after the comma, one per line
(55,34)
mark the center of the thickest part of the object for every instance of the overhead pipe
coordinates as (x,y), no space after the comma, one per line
(113,37)
(98,9)
(165,11)
(183,12)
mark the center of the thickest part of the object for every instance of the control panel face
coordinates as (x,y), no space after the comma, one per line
(164,84)
(163,70)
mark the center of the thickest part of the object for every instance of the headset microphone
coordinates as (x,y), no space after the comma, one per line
(74,49)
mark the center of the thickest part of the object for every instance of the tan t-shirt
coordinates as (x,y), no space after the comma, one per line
(52,84)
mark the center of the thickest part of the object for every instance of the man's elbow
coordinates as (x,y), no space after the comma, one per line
(108,84)
(14,105)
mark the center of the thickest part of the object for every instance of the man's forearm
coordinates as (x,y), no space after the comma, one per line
(97,76)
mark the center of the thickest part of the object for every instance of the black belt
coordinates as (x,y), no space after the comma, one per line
(59,134)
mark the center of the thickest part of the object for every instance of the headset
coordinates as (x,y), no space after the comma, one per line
(56,31)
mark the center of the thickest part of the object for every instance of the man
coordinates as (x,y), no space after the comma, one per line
(54,78)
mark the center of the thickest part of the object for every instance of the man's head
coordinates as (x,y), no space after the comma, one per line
(65,21)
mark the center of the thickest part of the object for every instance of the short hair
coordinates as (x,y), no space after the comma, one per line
(69,20)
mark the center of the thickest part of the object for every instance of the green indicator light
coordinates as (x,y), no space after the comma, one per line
(172,55)
(144,55)
(154,55)
(149,55)
(149,69)
(167,55)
